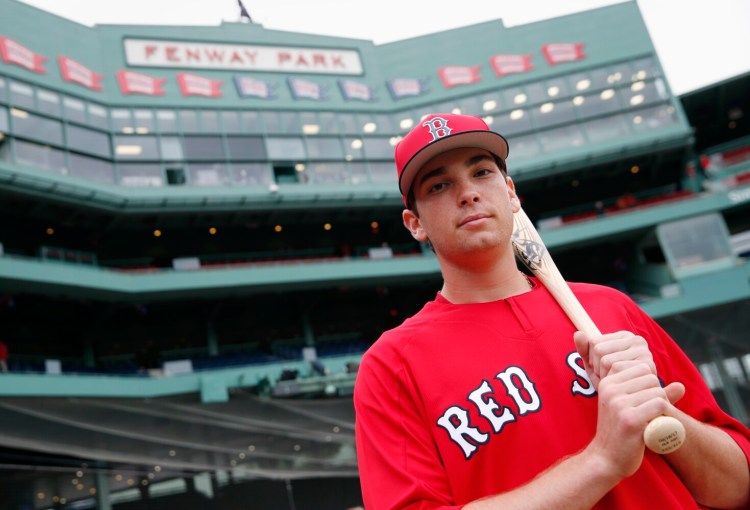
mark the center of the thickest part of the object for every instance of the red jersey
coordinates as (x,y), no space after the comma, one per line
(466,401)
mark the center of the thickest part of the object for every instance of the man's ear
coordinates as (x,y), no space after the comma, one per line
(414,225)
(515,202)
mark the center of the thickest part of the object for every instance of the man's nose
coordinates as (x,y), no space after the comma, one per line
(468,195)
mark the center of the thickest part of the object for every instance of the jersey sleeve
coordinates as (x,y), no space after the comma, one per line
(399,464)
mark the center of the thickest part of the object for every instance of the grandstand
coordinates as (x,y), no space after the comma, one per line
(200,234)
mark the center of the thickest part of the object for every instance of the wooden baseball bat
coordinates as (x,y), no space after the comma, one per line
(663,434)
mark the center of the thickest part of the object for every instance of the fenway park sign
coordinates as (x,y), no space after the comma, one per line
(199,55)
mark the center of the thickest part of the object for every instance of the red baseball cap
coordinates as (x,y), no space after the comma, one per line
(438,133)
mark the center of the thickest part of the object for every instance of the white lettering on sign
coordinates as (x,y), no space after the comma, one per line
(741,195)
(156,53)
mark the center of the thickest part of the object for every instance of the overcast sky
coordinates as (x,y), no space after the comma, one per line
(698,42)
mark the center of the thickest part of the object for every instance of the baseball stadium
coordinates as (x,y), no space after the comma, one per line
(201,234)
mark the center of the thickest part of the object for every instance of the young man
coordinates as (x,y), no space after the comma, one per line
(488,398)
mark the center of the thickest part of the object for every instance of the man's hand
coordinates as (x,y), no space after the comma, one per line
(622,369)
(622,349)
(601,354)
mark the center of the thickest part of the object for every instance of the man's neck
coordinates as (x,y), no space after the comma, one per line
(483,283)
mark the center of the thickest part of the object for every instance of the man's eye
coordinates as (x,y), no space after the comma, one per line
(482,172)
(436,187)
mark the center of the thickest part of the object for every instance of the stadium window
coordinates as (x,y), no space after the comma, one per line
(644,68)
(328,173)
(48,103)
(367,124)
(176,176)
(40,156)
(289,123)
(348,123)
(405,123)
(309,123)
(549,114)
(188,121)
(328,122)
(285,149)
(358,173)
(489,105)
(74,109)
(121,120)
(166,121)
(525,147)
(22,95)
(230,122)
(556,88)
(5,148)
(251,122)
(567,137)
(600,103)
(592,80)
(209,121)
(272,122)
(3,89)
(208,174)
(3,120)
(515,121)
(514,97)
(136,147)
(140,175)
(536,92)
(642,93)
(324,148)
(4,145)
(91,169)
(143,121)
(171,148)
(353,148)
(284,173)
(382,172)
(35,127)
(246,147)
(384,123)
(204,148)
(377,147)
(653,118)
(468,105)
(98,116)
(88,140)
(606,128)
(250,174)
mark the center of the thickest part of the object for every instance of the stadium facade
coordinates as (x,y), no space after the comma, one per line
(200,234)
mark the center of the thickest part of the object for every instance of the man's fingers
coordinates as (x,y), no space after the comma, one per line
(582,345)
(675,391)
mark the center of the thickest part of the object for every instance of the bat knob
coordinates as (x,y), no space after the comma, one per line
(664,434)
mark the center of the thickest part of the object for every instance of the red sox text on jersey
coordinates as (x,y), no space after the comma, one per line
(521,390)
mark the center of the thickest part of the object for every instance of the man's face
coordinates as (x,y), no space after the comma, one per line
(465,203)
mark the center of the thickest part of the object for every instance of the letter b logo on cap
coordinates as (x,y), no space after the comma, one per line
(438,127)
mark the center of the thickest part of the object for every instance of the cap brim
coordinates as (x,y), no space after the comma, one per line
(487,140)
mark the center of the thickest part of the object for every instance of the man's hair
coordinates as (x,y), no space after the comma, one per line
(412,205)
